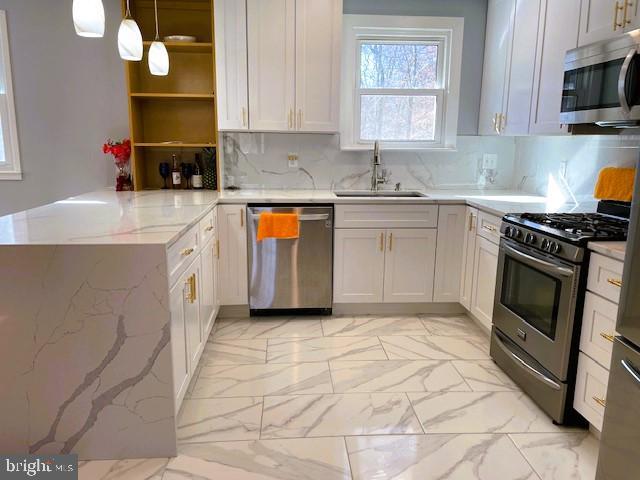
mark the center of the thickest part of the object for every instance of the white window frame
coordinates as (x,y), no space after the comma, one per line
(447,32)
(10,169)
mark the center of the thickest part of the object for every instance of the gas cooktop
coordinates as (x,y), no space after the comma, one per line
(577,228)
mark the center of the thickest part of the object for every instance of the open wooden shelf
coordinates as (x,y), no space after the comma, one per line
(174,145)
(173,114)
(186,47)
(173,96)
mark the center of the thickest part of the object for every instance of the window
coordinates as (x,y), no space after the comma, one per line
(401,78)
(9,151)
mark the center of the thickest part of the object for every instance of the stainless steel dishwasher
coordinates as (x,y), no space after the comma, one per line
(292,275)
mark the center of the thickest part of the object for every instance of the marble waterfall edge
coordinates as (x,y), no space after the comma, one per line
(85,357)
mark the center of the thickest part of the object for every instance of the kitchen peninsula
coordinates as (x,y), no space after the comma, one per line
(90,357)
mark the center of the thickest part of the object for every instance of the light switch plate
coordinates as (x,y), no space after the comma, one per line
(292,158)
(490,161)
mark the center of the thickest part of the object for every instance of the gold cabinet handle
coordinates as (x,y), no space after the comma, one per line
(217,248)
(391,241)
(299,118)
(382,241)
(502,123)
(244,117)
(191,283)
(614,282)
(290,118)
(194,289)
(186,252)
(209,228)
(242,218)
(600,401)
(607,336)
(496,127)
(617,8)
(489,228)
(471,222)
(625,20)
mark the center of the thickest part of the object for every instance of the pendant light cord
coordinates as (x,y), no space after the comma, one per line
(155,2)
(128,14)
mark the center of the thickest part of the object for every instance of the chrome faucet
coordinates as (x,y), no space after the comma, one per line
(378,175)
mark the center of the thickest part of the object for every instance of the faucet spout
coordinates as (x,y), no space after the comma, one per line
(376,177)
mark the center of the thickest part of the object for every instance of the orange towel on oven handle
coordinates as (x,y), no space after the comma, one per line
(278,225)
(615,184)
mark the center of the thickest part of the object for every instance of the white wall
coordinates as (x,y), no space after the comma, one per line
(70,96)
(570,164)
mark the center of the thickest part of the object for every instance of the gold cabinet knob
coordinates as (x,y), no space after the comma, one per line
(187,251)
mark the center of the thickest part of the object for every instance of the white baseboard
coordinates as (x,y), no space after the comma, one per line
(397,308)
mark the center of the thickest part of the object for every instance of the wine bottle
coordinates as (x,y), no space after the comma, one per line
(196,180)
(176,176)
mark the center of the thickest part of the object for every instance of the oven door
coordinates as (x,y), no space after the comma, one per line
(535,304)
(603,89)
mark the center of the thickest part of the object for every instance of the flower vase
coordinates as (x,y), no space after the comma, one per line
(123,180)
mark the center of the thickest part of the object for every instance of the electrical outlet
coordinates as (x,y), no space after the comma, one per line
(292,158)
(490,161)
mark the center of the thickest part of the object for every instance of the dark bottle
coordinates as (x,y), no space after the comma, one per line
(196,180)
(176,176)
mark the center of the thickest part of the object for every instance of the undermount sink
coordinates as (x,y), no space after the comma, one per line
(382,193)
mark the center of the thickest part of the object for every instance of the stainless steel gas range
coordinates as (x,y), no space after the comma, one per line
(540,287)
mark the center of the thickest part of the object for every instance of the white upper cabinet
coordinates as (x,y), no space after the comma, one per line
(557,33)
(271,45)
(318,33)
(231,64)
(604,19)
(520,83)
(497,53)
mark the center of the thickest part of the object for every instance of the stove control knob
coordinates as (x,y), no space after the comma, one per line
(545,245)
(555,247)
(530,238)
(517,234)
(509,232)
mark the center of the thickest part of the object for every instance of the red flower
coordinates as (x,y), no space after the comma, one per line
(121,151)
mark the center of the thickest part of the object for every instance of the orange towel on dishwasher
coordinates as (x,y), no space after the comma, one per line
(615,184)
(278,225)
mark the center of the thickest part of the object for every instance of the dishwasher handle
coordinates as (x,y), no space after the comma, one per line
(308,217)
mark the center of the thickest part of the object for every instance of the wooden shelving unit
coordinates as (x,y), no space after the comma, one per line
(176,113)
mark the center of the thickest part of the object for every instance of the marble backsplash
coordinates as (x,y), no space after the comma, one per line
(569,166)
(257,160)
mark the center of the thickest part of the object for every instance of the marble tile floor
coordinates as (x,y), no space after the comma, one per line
(358,397)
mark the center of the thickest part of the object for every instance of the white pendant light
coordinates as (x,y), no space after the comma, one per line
(88,18)
(129,38)
(158,55)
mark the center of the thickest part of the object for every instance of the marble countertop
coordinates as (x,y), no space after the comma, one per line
(610,249)
(160,216)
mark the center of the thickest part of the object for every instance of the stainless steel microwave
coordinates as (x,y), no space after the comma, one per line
(602,83)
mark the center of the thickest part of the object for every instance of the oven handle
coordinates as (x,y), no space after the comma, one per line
(307,217)
(526,367)
(548,266)
(628,366)
(622,81)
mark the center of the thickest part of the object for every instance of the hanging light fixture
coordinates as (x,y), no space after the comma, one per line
(88,18)
(158,55)
(129,38)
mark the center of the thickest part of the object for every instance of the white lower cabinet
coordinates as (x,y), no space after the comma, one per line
(468,252)
(359,265)
(590,397)
(409,265)
(232,234)
(484,280)
(195,332)
(209,303)
(390,265)
(451,239)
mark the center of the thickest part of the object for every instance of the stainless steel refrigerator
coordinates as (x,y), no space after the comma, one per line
(620,443)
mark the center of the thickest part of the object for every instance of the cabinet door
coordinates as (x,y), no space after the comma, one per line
(195,334)
(358,270)
(557,33)
(233,254)
(600,20)
(497,51)
(484,280)
(271,45)
(179,347)
(318,33)
(468,256)
(410,265)
(451,233)
(231,64)
(208,287)
(523,54)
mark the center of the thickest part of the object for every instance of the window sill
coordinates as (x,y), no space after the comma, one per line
(396,148)
(10,175)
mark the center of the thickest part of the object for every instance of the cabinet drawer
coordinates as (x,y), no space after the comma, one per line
(488,226)
(181,253)
(598,328)
(208,227)
(605,277)
(386,216)
(591,390)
